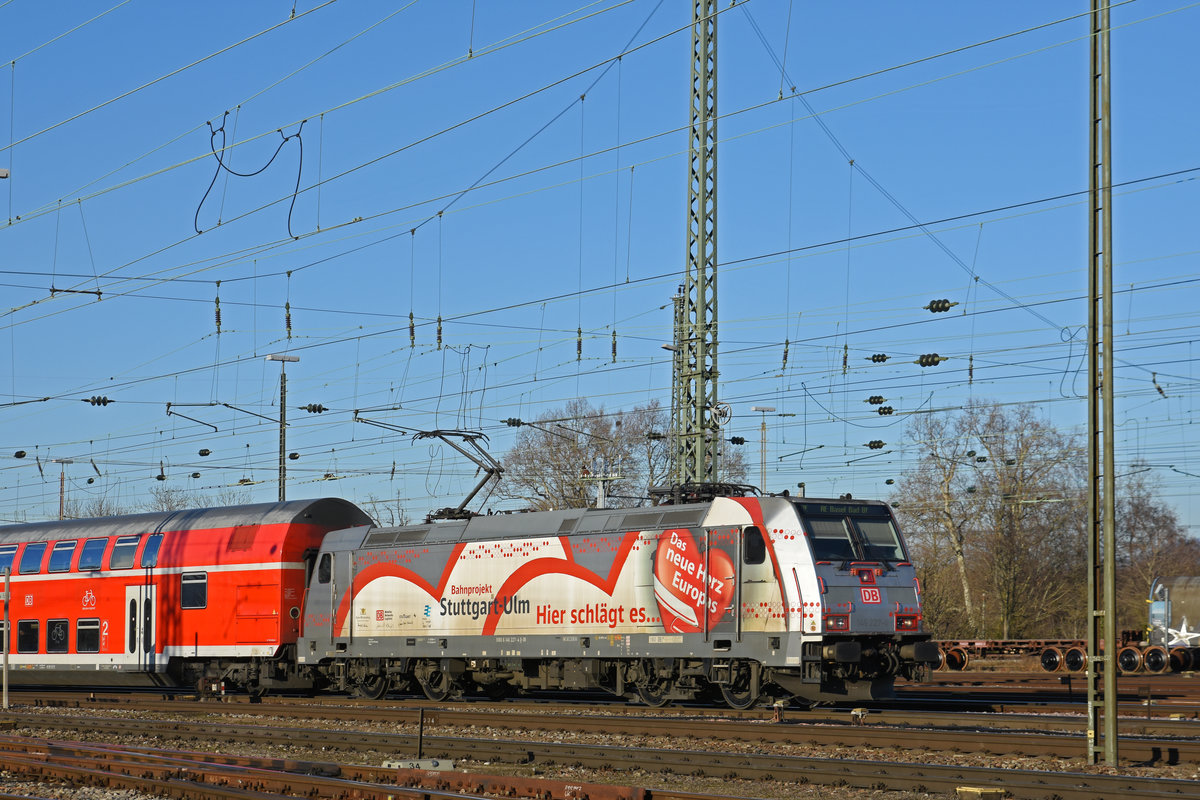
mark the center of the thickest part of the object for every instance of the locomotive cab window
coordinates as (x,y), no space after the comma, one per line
(7,553)
(87,636)
(31,559)
(193,591)
(92,554)
(325,569)
(150,551)
(831,539)
(58,636)
(754,548)
(122,552)
(880,542)
(60,556)
(28,636)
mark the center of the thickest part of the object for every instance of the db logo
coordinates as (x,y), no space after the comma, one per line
(869,594)
(379,614)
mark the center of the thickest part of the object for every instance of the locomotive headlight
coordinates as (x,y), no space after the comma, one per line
(907,622)
(837,622)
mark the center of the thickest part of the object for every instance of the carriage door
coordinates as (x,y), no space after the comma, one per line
(759,593)
(140,605)
(139,626)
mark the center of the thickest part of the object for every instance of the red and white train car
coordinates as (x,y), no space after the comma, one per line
(175,598)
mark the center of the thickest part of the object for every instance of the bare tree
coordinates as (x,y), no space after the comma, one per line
(387,512)
(1150,543)
(562,459)
(998,491)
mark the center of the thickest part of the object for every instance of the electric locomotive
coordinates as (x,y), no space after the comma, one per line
(739,598)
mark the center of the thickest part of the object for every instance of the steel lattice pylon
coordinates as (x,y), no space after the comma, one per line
(695,365)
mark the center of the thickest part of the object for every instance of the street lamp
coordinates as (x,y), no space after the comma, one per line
(285,360)
(764,410)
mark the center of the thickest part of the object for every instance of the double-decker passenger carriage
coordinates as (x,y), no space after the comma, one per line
(185,597)
(745,598)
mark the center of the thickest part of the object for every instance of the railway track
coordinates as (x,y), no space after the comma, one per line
(208,776)
(1179,746)
(638,719)
(867,753)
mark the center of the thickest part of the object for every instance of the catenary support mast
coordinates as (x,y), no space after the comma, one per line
(695,378)
(1102,606)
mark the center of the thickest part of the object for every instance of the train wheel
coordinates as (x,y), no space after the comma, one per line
(1181,659)
(1156,659)
(1129,659)
(436,684)
(374,687)
(741,700)
(1075,659)
(957,659)
(1052,659)
(654,695)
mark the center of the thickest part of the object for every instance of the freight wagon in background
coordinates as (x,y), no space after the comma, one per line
(1170,642)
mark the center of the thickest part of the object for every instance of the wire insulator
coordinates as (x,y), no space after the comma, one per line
(845,358)
(879,358)
(786,343)
(439,335)
(936,306)
(579,344)
(412,331)
(971,369)
(287,318)
(614,347)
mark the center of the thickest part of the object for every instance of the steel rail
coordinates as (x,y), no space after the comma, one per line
(851,772)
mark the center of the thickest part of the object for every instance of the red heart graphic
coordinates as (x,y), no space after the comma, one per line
(679,583)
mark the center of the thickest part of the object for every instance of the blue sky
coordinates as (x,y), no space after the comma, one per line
(436,158)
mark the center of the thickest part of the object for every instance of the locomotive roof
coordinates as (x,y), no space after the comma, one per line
(540,523)
(328,511)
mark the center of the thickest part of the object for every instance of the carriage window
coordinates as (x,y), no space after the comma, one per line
(122,553)
(60,556)
(7,553)
(92,554)
(57,636)
(194,590)
(754,549)
(27,636)
(87,636)
(132,626)
(881,540)
(325,569)
(31,559)
(150,551)
(830,539)
(147,631)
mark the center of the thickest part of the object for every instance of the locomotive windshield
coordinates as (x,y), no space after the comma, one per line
(850,532)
